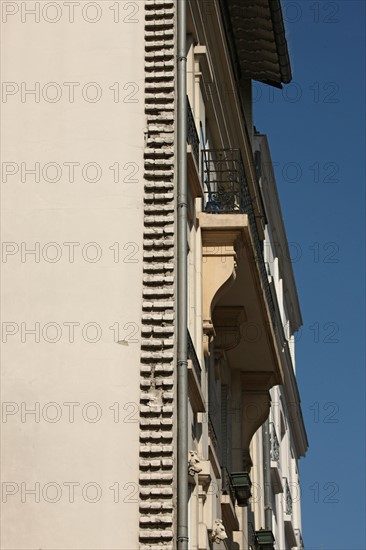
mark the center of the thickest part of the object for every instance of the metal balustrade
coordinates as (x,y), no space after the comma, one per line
(227,485)
(213,436)
(193,357)
(224,180)
(251,533)
(192,135)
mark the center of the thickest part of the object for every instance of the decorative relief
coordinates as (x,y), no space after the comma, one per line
(193,463)
(218,532)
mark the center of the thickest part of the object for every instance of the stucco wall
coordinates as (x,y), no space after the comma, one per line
(81,289)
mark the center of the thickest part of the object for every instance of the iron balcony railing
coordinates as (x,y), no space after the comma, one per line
(288,499)
(275,444)
(224,180)
(193,357)
(251,534)
(277,322)
(213,436)
(192,135)
(226,192)
(227,485)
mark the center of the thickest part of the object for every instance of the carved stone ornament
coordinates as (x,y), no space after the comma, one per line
(193,463)
(218,532)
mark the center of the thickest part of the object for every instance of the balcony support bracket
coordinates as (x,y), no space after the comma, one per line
(256,401)
(219,263)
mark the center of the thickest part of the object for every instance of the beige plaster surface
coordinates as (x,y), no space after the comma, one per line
(78,451)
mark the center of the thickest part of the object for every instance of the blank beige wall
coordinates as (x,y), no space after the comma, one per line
(70,469)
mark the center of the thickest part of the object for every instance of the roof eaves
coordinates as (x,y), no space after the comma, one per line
(281,42)
(257,39)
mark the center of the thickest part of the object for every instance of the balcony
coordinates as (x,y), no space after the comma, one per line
(193,357)
(288,499)
(226,192)
(193,155)
(227,486)
(300,542)
(275,444)
(239,316)
(228,501)
(192,135)
(289,528)
(194,379)
(276,477)
(251,532)
(224,181)
(214,448)
(213,436)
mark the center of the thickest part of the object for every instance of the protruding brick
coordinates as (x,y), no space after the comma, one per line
(156,534)
(168,396)
(156,519)
(157,355)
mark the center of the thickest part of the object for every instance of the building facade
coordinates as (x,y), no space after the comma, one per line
(146,467)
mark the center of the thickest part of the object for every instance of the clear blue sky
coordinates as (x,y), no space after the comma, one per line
(316,131)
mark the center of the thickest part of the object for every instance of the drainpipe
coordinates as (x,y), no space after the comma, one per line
(181,310)
(267,475)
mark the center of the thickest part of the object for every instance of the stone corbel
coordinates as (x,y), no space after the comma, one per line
(256,401)
(228,321)
(219,263)
(219,273)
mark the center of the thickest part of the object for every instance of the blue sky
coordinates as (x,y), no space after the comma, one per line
(316,131)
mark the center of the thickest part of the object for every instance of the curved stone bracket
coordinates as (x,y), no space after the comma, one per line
(228,321)
(256,401)
(218,275)
(219,262)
